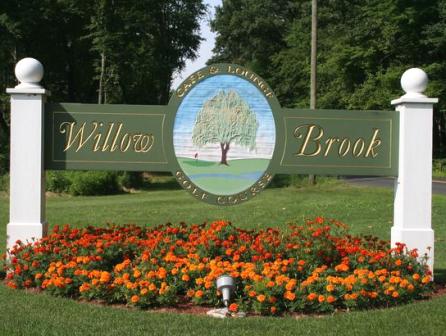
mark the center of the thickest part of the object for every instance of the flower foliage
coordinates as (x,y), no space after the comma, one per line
(313,267)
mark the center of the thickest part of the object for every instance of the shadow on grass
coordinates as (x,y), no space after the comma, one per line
(167,184)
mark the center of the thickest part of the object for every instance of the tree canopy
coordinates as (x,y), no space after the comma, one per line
(363,49)
(225,119)
(106,51)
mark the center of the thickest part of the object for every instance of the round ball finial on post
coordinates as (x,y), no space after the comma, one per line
(29,72)
(414,82)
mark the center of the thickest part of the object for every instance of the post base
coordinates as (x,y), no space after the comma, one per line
(24,232)
(420,239)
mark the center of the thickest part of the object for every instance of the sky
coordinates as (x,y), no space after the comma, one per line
(206,46)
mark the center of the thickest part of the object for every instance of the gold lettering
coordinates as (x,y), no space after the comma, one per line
(213,70)
(105,146)
(146,146)
(124,147)
(342,151)
(186,184)
(329,142)
(310,129)
(115,139)
(374,144)
(180,91)
(136,145)
(97,138)
(79,137)
(359,142)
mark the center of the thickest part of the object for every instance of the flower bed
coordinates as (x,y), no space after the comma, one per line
(314,267)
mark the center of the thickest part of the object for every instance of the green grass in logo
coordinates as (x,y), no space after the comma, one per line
(219,179)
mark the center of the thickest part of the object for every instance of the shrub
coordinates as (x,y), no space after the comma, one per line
(94,183)
(131,180)
(313,267)
(57,181)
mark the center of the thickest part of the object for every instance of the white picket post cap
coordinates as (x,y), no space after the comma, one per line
(29,72)
(414,83)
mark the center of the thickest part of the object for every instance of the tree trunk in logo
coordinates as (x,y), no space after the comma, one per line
(224,153)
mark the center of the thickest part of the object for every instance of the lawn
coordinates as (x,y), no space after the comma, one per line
(367,211)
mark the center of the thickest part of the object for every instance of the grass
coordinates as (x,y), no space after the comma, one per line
(367,211)
(220,179)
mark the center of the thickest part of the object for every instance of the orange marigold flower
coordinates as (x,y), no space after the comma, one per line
(199,293)
(252,293)
(321,298)
(233,307)
(398,262)
(105,277)
(185,277)
(190,293)
(290,285)
(261,298)
(330,288)
(342,268)
(289,296)
(270,284)
(273,310)
(410,288)
(11,284)
(84,287)
(426,279)
(331,299)
(311,296)
(134,299)
(38,276)
(416,277)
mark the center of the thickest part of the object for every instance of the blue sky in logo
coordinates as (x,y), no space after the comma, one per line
(208,88)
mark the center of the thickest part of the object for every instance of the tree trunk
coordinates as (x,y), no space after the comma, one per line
(101,78)
(224,153)
(312,178)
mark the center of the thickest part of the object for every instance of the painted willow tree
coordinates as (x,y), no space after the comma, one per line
(225,119)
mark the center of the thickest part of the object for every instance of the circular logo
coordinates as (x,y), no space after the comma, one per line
(223,134)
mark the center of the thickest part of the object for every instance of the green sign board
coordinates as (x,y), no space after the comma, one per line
(223,136)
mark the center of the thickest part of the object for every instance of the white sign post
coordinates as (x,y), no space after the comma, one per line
(27,175)
(413,187)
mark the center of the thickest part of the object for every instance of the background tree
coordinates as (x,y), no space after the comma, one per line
(363,49)
(109,51)
(225,119)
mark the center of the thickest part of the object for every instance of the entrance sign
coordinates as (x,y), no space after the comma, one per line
(223,135)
